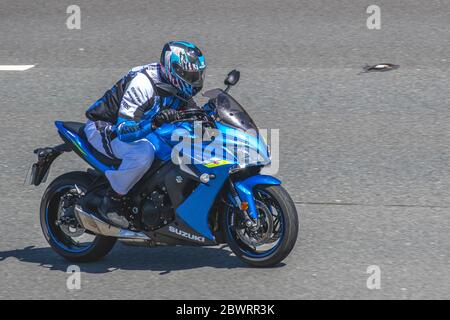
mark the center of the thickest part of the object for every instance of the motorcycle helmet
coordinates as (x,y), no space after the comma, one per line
(183,65)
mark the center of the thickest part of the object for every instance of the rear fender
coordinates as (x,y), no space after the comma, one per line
(46,156)
(245,187)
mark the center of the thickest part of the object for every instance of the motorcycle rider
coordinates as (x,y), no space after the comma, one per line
(120,120)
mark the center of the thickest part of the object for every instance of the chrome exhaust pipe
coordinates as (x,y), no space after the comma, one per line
(92,223)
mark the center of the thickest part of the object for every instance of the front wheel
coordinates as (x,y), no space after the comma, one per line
(273,237)
(60,226)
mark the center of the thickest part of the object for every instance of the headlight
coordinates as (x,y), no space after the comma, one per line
(250,157)
(243,154)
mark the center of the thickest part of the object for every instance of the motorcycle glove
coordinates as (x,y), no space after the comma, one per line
(165,116)
(129,131)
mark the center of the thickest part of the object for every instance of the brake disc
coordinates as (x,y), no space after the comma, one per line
(264,214)
(68,225)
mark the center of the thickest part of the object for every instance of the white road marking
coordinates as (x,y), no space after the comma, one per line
(18,67)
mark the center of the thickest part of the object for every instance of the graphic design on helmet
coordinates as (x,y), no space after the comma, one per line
(184,67)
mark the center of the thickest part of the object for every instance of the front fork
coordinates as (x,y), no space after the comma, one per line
(242,193)
(250,219)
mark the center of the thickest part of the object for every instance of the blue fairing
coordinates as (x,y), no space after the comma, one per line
(196,208)
(245,190)
(194,211)
(159,138)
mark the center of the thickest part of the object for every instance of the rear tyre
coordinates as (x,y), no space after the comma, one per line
(86,247)
(276,235)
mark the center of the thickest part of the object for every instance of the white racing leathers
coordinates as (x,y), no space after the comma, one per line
(138,102)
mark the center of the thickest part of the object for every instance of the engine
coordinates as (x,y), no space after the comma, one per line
(157,210)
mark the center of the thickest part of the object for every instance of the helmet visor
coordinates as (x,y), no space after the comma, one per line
(193,77)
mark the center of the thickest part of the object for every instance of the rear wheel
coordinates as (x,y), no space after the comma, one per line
(60,227)
(271,240)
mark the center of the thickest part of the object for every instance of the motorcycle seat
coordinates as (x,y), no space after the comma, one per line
(77,128)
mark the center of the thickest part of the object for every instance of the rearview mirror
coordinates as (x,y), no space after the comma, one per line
(232,78)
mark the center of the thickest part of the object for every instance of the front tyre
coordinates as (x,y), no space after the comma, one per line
(274,237)
(60,227)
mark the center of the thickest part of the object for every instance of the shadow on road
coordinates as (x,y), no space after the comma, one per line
(162,259)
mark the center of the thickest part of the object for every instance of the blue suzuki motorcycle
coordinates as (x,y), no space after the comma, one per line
(204,201)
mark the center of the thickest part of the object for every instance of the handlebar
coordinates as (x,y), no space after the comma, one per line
(192,115)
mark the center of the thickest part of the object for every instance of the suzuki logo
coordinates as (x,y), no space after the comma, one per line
(186,234)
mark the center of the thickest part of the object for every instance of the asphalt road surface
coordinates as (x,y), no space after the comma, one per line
(365,156)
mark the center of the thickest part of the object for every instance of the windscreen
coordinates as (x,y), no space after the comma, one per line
(229,111)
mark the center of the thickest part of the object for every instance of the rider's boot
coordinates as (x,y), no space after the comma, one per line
(111,209)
